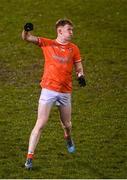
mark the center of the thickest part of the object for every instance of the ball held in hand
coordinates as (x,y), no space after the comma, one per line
(28,27)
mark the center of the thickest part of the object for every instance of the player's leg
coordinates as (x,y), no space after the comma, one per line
(43,114)
(65,117)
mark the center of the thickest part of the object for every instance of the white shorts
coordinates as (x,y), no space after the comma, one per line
(53,97)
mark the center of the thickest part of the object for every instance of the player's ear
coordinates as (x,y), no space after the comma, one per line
(59,30)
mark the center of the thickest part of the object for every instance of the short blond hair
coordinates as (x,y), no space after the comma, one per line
(63,22)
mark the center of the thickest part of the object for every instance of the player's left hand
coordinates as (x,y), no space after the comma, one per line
(82,81)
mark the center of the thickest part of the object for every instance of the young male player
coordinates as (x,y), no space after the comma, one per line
(60,57)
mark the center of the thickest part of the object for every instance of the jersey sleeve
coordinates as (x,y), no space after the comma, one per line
(77,55)
(42,41)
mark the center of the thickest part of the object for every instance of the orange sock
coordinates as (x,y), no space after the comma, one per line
(66,136)
(30,156)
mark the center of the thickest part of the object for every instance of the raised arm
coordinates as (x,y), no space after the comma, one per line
(80,74)
(26,34)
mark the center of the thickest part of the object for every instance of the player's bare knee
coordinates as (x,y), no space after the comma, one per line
(68,125)
(40,124)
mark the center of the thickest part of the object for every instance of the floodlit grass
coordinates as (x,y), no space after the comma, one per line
(99,113)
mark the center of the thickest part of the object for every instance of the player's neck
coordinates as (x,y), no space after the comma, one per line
(61,41)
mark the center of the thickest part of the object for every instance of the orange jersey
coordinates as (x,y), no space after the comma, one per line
(59,61)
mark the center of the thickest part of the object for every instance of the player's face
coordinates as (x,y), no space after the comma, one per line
(67,32)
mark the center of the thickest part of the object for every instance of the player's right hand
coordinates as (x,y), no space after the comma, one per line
(28,27)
